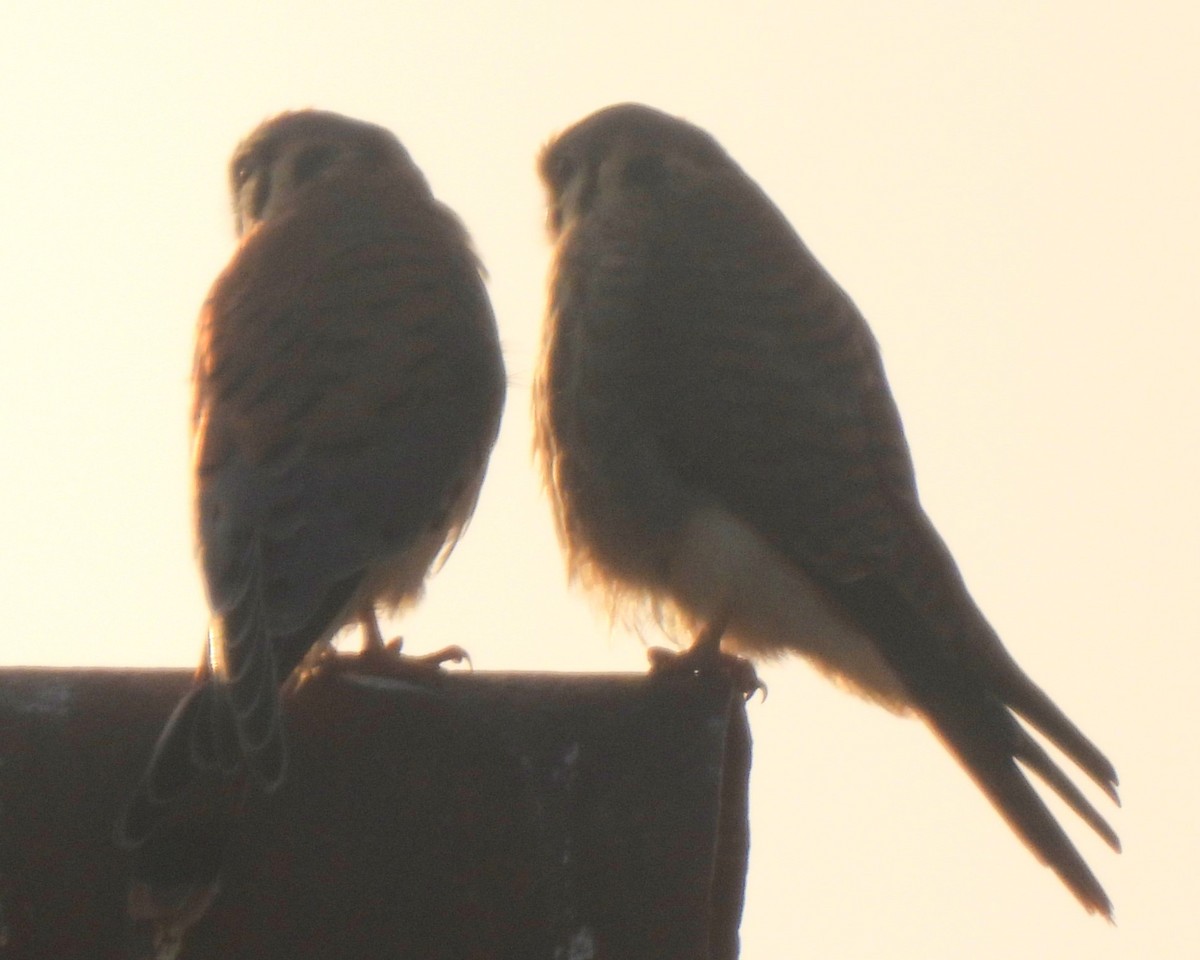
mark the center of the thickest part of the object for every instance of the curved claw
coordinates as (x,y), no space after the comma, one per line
(387,659)
(451,654)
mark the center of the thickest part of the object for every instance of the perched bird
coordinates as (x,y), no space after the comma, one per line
(348,390)
(719,440)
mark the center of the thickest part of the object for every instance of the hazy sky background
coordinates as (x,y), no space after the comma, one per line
(1009,192)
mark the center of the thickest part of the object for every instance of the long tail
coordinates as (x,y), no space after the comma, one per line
(241,658)
(973,716)
(179,819)
(197,743)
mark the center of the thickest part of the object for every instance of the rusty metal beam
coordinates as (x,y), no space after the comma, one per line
(564,817)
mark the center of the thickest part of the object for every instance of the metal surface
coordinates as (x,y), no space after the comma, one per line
(565,817)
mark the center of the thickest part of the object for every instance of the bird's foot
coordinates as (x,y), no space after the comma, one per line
(377,659)
(385,659)
(704,659)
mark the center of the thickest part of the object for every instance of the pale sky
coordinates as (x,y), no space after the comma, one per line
(1008,191)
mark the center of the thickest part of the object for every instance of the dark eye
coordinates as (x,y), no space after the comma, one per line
(258,197)
(241,172)
(312,161)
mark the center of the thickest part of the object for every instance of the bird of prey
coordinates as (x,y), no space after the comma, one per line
(348,390)
(718,439)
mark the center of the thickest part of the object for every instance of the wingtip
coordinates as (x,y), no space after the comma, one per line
(1084,885)
(1110,837)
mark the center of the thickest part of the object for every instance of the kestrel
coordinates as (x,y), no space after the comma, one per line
(718,437)
(348,390)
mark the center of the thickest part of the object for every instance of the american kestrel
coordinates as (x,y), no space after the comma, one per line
(718,437)
(348,390)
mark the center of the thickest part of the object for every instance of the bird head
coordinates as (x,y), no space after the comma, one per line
(292,152)
(619,153)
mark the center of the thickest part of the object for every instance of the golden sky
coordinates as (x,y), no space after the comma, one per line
(1009,192)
